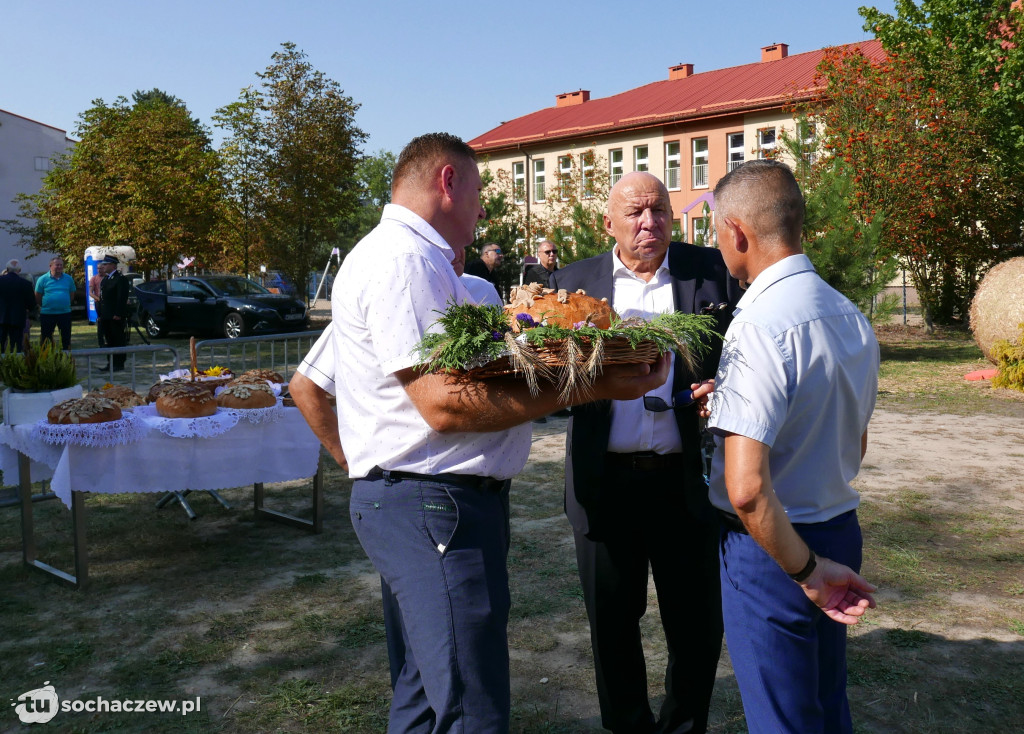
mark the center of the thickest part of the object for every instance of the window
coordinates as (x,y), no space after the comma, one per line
(806,132)
(736,155)
(700,163)
(538,180)
(700,231)
(587,171)
(615,165)
(672,166)
(564,176)
(42,164)
(765,143)
(640,158)
(677,230)
(519,182)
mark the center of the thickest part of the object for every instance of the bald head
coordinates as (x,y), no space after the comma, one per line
(639,217)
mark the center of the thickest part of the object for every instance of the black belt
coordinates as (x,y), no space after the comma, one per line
(732,522)
(644,461)
(472,481)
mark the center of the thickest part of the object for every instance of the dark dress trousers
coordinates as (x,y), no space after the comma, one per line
(626,515)
(114,302)
(16,300)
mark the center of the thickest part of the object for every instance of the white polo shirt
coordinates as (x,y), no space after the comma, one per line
(799,373)
(389,293)
(634,428)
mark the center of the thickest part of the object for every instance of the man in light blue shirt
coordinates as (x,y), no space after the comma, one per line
(795,390)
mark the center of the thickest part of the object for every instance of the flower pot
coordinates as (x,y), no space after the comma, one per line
(31,407)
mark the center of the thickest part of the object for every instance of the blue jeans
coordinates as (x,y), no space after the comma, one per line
(441,549)
(789,658)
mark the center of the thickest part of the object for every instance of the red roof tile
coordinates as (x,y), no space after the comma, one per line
(751,86)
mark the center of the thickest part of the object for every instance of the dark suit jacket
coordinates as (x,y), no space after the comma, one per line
(114,297)
(538,274)
(16,299)
(700,279)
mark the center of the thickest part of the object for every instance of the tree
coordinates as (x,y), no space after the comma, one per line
(373,179)
(841,242)
(242,155)
(140,175)
(919,156)
(574,218)
(310,149)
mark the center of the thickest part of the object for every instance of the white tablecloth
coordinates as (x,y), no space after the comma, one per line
(249,453)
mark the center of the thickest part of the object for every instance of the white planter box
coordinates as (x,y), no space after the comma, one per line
(31,407)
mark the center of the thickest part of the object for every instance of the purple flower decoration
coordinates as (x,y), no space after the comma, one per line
(525,320)
(496,336)
(581,324)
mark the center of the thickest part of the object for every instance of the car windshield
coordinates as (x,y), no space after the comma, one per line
(233,286)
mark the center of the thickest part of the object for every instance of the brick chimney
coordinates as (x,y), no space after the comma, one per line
(680,71)
(568,99)
(774,52)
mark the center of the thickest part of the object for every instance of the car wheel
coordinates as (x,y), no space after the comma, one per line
(152,327)
(234,325)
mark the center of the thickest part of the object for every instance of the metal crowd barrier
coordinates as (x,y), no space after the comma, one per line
(99,367)
(279,352)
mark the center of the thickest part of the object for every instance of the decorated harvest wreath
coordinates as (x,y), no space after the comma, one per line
(560,337)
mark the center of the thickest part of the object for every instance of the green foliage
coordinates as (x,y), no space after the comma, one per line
(472,335)
(373,178)
(141,175)
(297,142)
(1009,358)
(840,240)
(42,367)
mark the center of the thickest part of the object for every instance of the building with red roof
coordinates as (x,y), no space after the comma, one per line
(689,130)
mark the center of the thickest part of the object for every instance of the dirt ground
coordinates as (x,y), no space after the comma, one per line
(273,627)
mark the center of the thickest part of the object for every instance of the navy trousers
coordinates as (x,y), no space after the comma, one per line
(789,658)
(441,550)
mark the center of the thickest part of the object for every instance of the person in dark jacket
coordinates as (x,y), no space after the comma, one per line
(634,489)
(113,307)
(16,301)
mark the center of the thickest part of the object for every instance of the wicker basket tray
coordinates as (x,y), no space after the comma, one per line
(552,355)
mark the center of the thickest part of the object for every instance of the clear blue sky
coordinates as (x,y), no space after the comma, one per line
(415,67)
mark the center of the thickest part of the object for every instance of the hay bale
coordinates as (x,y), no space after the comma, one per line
(998,306)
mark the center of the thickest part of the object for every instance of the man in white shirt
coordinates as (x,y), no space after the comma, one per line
(430,452)
(634,486)
(794,393)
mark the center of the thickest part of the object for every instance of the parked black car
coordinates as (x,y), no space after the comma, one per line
(226,304)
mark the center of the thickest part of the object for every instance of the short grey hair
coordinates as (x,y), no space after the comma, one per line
(13,266)
(766,195)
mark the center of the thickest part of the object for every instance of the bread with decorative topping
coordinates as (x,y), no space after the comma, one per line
(123,395)
(559,308)
(161,387)
(246,396)
(89,409)
(259,374)
(186,401)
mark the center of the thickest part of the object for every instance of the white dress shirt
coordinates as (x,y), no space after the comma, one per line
(634,428)
(390,292)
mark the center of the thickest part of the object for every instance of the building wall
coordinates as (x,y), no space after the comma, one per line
(26,149)
(715,130)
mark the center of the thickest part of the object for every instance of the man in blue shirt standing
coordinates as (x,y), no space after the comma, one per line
(55,292)
(795,390)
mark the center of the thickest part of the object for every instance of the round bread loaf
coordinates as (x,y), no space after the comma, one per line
(559,308)
(260,374)
(123,395)
(186,401)
(89,409)
(161,387)
(247,396)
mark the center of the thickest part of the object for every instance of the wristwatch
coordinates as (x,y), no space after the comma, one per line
(801,575)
